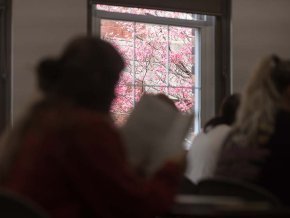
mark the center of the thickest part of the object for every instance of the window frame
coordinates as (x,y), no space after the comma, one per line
(5,64)
(220,81)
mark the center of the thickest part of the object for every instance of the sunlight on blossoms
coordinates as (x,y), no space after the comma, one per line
(159,59)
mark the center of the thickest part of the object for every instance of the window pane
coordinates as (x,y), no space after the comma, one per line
(151,46)
(181,56)
(123,104)
(159,59)
(183,97)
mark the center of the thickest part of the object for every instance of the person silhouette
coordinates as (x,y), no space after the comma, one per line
(204,151)
(257,148)
(66,153)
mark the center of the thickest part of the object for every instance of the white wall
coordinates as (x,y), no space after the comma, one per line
(40,28)
(259,28)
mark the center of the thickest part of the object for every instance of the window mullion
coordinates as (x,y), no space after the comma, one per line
(134,63)
(197,85)
(167,60)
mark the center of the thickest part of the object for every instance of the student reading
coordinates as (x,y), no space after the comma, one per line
(66,154)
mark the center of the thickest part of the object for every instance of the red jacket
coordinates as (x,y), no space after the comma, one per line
(71,161)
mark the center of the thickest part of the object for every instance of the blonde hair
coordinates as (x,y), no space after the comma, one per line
(259,104)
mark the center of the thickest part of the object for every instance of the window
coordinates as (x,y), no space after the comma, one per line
(165,51)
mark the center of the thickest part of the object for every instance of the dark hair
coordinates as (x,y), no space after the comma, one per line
(48,74)
(280,73)
(227,114)
(86,72)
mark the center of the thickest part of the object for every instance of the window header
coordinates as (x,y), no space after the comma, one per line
(207,7)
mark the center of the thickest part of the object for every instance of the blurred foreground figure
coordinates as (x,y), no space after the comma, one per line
(258,147)
(66,154)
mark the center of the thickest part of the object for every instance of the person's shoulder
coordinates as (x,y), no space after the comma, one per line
(221,128)
(219,132)
(67,118)
(200,137)
(93,121)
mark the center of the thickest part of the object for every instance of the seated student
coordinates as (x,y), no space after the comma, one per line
(205,148)
(67,155)
(258,147)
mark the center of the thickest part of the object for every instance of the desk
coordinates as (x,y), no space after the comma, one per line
(223,207)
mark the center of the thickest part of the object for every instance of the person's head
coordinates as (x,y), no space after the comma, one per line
(86,73)
(265,93)
(229,107)
(227,113)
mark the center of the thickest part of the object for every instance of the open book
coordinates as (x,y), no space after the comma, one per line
(154,132)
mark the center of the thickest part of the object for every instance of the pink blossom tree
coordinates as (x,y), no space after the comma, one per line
(159,59)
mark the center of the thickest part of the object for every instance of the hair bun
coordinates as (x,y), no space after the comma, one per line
(48,71)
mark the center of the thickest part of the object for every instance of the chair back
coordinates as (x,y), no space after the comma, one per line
(13,206)
(230,187)
(187,187)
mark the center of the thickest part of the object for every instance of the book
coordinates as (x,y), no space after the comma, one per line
(154,132)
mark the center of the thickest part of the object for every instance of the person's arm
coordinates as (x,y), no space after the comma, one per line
(99,171)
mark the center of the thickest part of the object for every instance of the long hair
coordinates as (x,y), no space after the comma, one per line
(227,113)
(260,102)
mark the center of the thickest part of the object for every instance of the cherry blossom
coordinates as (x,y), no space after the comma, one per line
(159,58)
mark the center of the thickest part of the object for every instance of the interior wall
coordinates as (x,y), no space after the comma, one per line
(40,29)
(259,28)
